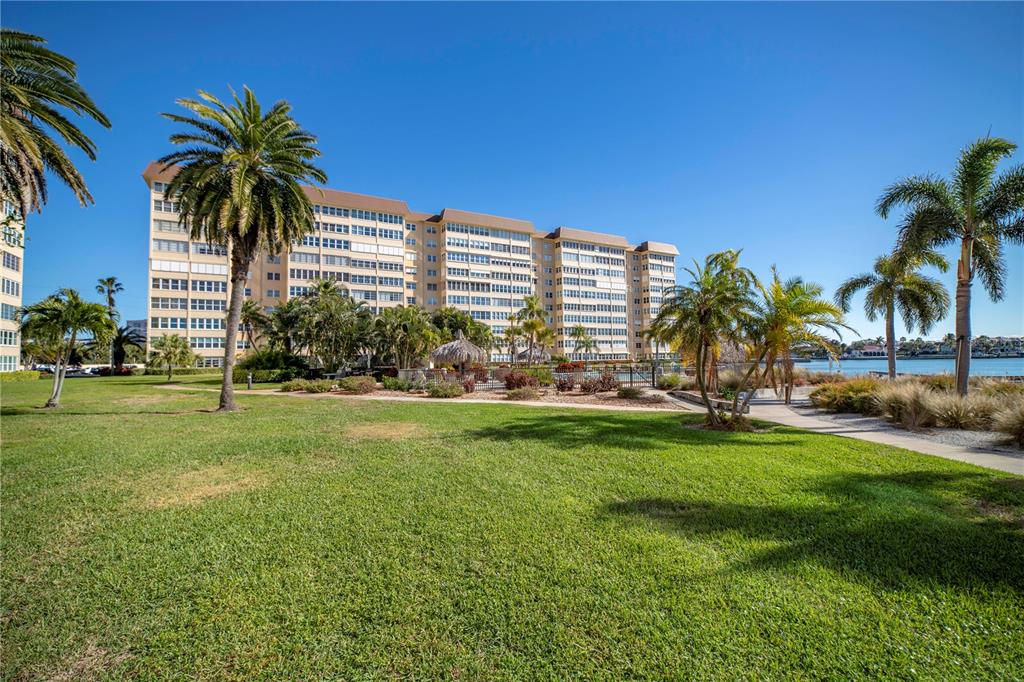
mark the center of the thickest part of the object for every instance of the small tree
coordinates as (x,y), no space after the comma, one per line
(172,351)
(58,322)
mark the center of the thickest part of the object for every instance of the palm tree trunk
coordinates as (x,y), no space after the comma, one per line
(701,384)
(239,266)
(746,380)
(54,399)
(890,339)
(963,317)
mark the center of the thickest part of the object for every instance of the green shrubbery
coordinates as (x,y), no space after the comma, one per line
(669,382)
(21,375)
(263,376)
(359,385)
(397,384)
(1010,421)
(520,379)
(523,393)
(182,371)
(565,384)
(906,402)
(630,392)
(444,389)
(853,395)
(973,412)
(308,385)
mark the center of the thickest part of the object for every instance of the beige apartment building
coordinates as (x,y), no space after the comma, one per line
(387,255)
(12,268)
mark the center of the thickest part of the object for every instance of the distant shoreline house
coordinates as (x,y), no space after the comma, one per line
(871,351)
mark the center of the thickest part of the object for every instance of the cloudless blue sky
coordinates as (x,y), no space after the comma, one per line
(767,127)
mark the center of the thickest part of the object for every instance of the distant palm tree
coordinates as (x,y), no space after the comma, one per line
(254,320)
(59,321)
(895,284)
(976,209)
(109,287)
(533,318)
(239,184)
(35,82)
(511,337)
(172,351)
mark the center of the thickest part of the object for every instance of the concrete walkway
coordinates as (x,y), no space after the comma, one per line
(878,432)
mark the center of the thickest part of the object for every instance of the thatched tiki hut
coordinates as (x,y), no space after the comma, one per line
(459,352)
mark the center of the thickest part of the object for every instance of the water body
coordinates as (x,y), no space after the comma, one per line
(989,367)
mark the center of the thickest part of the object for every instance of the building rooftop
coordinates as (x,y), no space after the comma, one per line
(658,247)
(588,236)
(454,215)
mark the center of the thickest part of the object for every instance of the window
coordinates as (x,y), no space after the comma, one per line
(273,260)
(8,363)
(273,293)
(202,249)
(170,284)
(206,342)
(12,262)
(168,226)
(209,285)
(8,337)
(11,288)
(410,300)
(170,265)
(387,233)
(163,303)
(273,276)
(170,245)
(166,206)
(208,304)
(298,291)
(364,231)
(207,323)
(8,311)
(304,257)
(303,273)
(209,269)
(167,323)
(330,243)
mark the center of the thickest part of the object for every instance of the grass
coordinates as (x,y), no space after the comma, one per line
(144,537)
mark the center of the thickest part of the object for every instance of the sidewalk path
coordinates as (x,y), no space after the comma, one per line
(774,411)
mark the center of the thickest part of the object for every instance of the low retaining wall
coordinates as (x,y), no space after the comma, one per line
(717,403)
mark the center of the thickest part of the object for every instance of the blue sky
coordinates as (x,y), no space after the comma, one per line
(767,127)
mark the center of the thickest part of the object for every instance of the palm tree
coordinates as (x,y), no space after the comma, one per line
(583,343)
(404,333)
(239,184)
(123,338)
(533,318)
(58,322)
(895,283)
(511,336)
(37,82)
(974,208)
(254,320)
(708,310)
(283,327)
(791,314)
(109,287)
(172,351)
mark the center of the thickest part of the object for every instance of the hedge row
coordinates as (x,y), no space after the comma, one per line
(21,375)
(265,376)
(182,371)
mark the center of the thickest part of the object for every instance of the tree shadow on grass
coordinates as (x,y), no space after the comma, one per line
(895,530)
(631,432)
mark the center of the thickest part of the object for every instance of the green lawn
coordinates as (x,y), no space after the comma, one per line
(144,536)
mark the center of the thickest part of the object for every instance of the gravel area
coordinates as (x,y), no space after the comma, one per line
(973,440)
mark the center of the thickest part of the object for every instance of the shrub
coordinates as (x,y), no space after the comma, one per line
(1010,421)
(293,385)
(113,371)
(630,392)
(523,393)
(568,367)
(589,385)
(469,384)
(358,384)
(20,375)
(564,384)
(517,379)
(853,395)
(997,388)
(182,371)
(906,402)
(396,384)
(730,380)
(687,383)
(263,376)
(270,358)
(668,382)
(973,412)
(608,382)
(444,389)
(320,386)
(543,376)
(938,382)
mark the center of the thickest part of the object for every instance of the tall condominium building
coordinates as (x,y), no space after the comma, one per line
(11,269)
(387,255)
